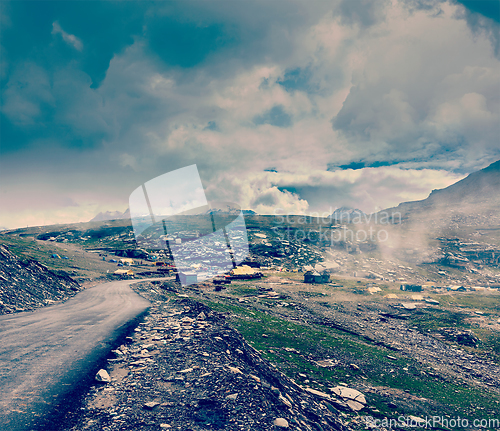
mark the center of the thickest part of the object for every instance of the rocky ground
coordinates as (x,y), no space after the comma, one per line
(312,357)
(186,369)
(388,326)
(26,284)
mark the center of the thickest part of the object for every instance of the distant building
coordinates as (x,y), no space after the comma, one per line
(411,287)
(244,272)
(188,277)
(316,277)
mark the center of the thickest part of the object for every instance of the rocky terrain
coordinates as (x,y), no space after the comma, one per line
(27,284)
(186,369)
(279,353)
(472,195)
(471,256)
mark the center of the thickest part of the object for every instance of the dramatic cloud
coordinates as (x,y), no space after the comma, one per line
(297,106)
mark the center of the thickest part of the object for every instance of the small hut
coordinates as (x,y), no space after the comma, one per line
(411,287)
(316,277)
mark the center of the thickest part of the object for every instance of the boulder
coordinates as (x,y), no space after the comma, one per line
(151,405)
(280,422)
(318,393)
(103,376)
(352,397)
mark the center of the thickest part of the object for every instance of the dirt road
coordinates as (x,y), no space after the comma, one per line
(48,356)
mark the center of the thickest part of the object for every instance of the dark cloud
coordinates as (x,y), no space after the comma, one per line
(186,44)
(105,29)
(360,165)
(267,199)
(98,97)
(212,125)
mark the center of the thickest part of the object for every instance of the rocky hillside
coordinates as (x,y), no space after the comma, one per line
(27,284)
(479,189)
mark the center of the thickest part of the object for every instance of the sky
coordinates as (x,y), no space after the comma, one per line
(285,107)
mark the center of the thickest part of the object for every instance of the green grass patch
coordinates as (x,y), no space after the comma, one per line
(432,319)
(315,342)
(486,302)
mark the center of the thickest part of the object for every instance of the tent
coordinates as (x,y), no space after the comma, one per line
(242,270)
(123,272)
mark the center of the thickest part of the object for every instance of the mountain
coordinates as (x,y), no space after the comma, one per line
(230,211)
(479,190)
(112,215)
(347,215)
(117,215)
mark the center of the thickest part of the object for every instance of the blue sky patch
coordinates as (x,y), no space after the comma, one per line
(276,116)
(298,79)
(488,8)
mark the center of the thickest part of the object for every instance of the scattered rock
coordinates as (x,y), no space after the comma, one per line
(280,422)
(285,401)
(352,397)
(150,405)
(26,284)
(318,393)
(103,376)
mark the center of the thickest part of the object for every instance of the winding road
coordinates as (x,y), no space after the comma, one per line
(49,355)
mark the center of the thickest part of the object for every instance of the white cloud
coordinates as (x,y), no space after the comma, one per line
(409,65)
(406,88)
(70,39)
(401,85)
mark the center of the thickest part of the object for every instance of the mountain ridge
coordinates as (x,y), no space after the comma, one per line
(478,189)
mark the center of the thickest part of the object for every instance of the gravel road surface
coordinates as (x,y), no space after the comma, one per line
(50,355)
